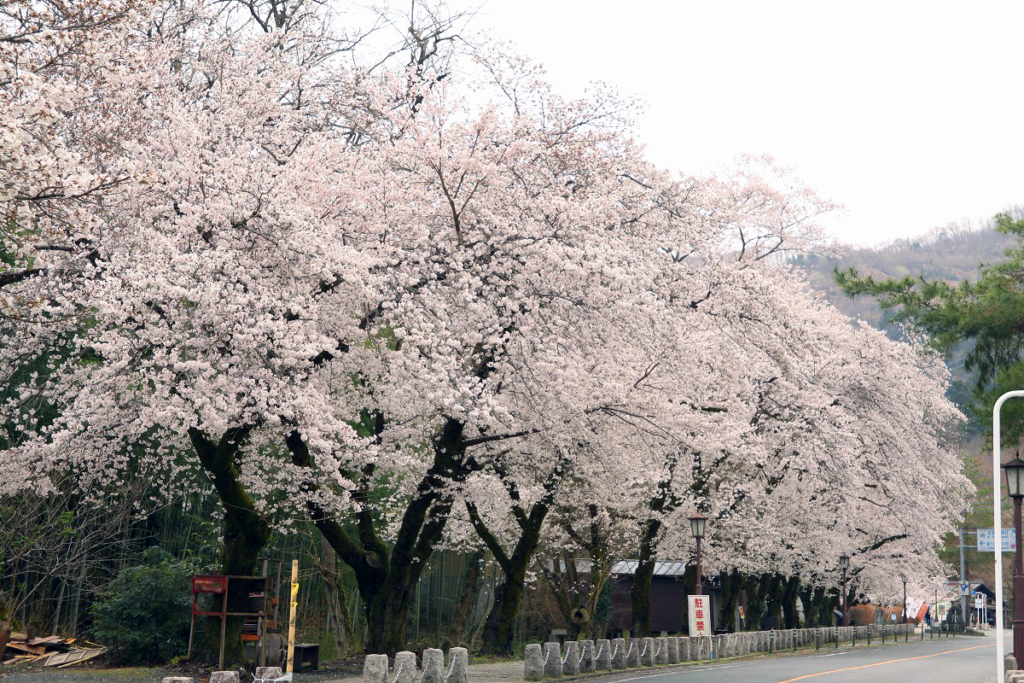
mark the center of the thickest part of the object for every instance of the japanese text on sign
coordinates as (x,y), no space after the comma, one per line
(700,615)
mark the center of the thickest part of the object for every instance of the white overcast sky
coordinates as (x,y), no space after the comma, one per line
(910,114)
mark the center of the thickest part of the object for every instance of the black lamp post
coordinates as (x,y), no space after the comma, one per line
(844,563)
(1015,487)
(697,524)
(903,578)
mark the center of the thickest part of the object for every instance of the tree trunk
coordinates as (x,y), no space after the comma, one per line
(467,601)
(640,594)
(499,629)
(387,579)
(789,597)
(245,532)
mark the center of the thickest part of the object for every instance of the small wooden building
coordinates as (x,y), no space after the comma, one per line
(668,598)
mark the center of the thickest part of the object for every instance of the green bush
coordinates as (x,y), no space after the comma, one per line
(143,615)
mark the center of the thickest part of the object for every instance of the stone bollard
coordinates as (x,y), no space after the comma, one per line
(405,667)
(571,660)
(1009,663)
(587,656)
(552,660)
(267,673)
(719,645)
(375,669)
(684,649)
(618,654)
(672,648)
(647,652)
(661,657)
(458,665)
(224,677)
(179,679)
(533,664)
(433,664)
(603,657)
(633,654)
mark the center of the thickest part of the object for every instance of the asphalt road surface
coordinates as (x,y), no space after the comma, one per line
(957,660)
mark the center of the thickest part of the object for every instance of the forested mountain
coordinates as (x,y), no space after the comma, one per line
(953,253)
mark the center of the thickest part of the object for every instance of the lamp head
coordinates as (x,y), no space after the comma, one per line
(844,561)
(697,524)
(1015,477)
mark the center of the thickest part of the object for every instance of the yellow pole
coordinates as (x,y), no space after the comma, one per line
(291,616)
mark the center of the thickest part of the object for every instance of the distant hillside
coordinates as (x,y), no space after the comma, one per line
(953,253)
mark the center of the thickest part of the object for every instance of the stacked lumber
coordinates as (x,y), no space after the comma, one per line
(55,650)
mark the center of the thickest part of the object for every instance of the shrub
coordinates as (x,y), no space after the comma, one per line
(143,615)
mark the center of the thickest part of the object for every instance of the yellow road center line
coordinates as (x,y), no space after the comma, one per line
(891,661)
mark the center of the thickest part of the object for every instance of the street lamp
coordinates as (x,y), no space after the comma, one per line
(903,578)
(1015,487)
(844,563)
(697,524)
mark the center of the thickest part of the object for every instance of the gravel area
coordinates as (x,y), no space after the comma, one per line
(82,675)
(496,672)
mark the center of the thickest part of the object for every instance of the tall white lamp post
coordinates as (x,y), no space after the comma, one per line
(997,523)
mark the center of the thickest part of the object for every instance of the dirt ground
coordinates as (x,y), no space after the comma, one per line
(497,672)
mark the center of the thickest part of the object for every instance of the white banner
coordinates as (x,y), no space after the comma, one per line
(700,615)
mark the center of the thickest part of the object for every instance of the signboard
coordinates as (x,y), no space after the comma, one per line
(700,615)
(987,540)
(215,584)
(921,612)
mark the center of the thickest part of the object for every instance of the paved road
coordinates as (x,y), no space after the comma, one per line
(959,660)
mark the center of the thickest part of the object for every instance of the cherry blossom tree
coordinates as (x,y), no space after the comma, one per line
(351,294)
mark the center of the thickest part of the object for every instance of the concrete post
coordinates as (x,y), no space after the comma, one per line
(405,667)
(603,656)
(587,656)
(268,673)
(533,664)
(571,659)
(433,664)
(633,654)
(458,665)
(552,660)
(619,653)
(375,669)
(661,651)
(672,646)
(224,677)
(647,652)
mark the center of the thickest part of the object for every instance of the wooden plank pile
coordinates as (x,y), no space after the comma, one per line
(55,650)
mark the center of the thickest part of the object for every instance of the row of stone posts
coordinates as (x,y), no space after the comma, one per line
(263,673)
(375,669)
(588,656)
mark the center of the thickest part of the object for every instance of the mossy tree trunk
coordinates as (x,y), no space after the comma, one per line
(245,532)
(640,593)
(499,629)
(387,576)
(790,594)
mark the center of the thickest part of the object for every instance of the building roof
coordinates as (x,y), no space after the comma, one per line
(672,568)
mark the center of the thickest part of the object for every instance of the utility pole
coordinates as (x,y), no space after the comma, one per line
(963,578)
